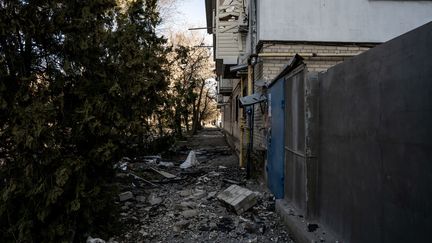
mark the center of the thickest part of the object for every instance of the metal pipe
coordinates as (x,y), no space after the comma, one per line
(308,54)
(250,88)
(250,139)
(250,80)
(249,117)
(241,126)
(201,28)
(204,46)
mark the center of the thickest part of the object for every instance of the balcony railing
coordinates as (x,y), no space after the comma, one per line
(225,86)
(222,100)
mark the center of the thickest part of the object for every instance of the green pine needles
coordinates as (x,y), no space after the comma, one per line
(79,82)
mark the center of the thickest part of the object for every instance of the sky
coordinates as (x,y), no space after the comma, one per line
(190,14)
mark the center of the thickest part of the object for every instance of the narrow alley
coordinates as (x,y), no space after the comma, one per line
(216,121)
(184,207)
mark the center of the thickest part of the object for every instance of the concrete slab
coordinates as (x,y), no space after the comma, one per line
(125,196)
(238,198)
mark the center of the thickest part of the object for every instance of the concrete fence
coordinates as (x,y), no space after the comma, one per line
(372,181)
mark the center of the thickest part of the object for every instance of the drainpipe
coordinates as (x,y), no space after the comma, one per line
(242,127)
(249,136)
(250,109)
(250,114)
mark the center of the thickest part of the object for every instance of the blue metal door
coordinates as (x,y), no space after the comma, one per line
(275,153)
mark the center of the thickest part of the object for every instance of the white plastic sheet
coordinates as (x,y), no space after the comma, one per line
(190,161)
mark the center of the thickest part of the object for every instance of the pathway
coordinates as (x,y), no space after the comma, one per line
(185,208)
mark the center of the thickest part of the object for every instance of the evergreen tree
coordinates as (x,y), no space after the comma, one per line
(78,80)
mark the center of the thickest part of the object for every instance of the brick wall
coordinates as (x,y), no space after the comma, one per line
(268,67)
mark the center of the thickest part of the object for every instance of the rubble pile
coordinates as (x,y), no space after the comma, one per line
(163,203)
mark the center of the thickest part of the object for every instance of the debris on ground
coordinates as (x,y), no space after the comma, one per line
(312,227)
(190,161)
(162,202)
(164,174)
(125,196)
(238,198)
(94,240)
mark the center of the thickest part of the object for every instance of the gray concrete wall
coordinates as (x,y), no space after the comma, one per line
(339,20)
(375,156)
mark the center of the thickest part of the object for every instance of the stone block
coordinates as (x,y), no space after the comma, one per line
(189,213)
(125,196)
(141,199)
(238,198)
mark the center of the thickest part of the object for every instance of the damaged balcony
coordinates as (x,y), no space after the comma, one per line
(225,86)
(230,25)
(222,100)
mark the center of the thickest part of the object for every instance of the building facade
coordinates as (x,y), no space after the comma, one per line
(277,49)
(253,41)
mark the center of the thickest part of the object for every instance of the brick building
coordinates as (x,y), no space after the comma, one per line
(254,40)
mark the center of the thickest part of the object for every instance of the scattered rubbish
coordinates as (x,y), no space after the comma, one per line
(154,200)
(190,213)
(251,228)
(203,179)
(213,225)
(94,240)
(238,198)
(140,199)
(204,228)
(194,173)
(126,159)
(181,225)
(142,179)
(211,195)
(225,224)
(185,193)
(190,161)
(253,240)
(173,204)
(187,205)
(164,174)
(199,194)
(152,159)
(259,224)
(166,164)
(214,174)
(312,227)
(143,232)
(121,165)
(231,181)
(244,219)
(125,196)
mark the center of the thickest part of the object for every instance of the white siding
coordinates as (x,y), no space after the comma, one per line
(339,20)
(228,39)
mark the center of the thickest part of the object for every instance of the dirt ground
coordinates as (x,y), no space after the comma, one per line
(185,208)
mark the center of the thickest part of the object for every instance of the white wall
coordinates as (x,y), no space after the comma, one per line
(339,20)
